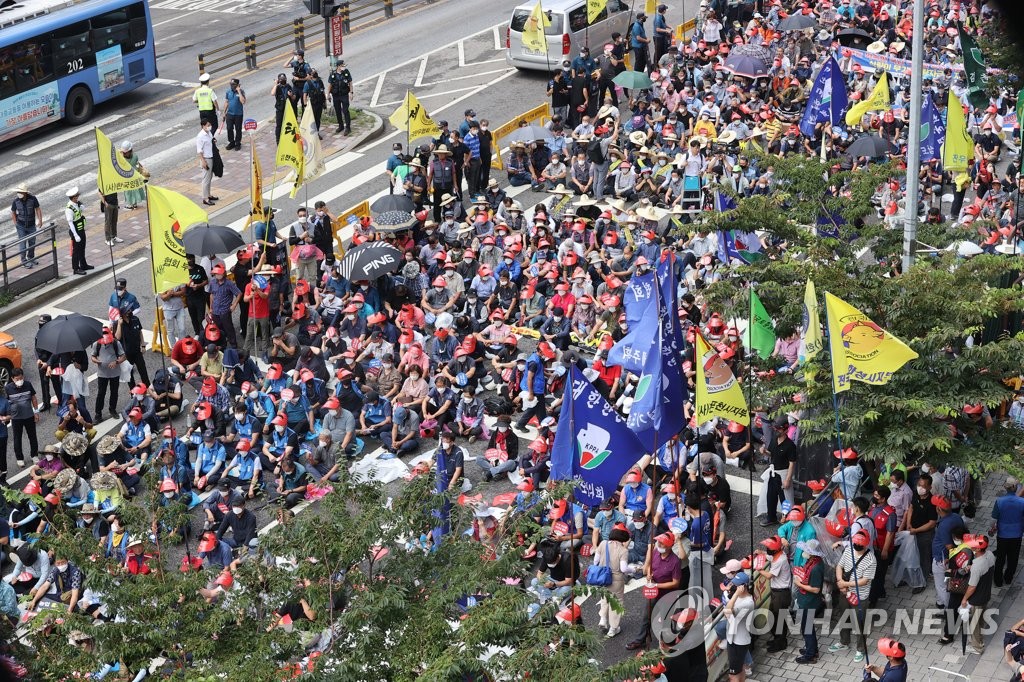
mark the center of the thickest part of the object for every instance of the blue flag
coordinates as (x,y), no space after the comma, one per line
(724,202)
(742,246)
(933,131)
(593,446)
(828,222)
(630,352)
(827,101)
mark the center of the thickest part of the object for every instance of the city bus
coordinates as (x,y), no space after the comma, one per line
(59,58)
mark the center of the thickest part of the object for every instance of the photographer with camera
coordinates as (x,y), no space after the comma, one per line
(234,101)
(283,95)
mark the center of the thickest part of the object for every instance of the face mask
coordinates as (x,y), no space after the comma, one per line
(922,491)
(662,549)
(49,458)
(638,525)
(253,394)
(320,214)
(88,519)
(557,318)
(672,497)
(925,469)
(323,443)
(398,152)
(239,416)
(19,382)
(503,429)
(350,317)
(333,413)
(521,366)
(62,568)
(708,479)
(115,527)
(237,511)
(797,524)
(279,429)
(633,486)
(168,495)
(483,128)
(508,261)
(467,401)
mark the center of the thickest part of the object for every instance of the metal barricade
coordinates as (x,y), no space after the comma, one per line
(17,276)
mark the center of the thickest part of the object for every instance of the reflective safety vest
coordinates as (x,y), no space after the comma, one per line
(204,98)
(78,216)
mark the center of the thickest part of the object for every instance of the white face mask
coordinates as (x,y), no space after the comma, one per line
(922,491)
(925,469)
(237,511)
(19,382)
(253,394)
(521,366)
(662,549)
(709,479)
(503,429)
(169,494)
(115,527)
(279,428)
(638,525)
(62,568)
(239,416)
(333,413)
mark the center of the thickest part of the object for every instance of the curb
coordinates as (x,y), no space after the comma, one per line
(30,299)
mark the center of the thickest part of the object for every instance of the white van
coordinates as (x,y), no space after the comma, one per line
(567,34)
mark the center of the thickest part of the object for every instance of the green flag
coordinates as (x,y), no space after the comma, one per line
(974,67)
(760,333)
(1020,110)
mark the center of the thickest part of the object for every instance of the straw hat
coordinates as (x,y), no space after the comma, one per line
(447,199)
(560,189)
(727,137)
(442,149)
(617,204)
(876,47)
(637,137)
(585,200)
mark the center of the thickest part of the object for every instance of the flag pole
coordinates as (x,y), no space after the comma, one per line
(914,139)
(99,180)
(843,487)
(750,426)
(160,327)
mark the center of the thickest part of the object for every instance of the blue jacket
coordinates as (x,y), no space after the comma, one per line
(1009,515)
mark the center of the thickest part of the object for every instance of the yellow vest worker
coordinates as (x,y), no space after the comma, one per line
(206,100)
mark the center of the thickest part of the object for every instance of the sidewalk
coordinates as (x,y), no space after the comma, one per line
(233,187)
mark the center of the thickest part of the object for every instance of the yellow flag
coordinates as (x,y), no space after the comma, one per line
(115,174)
(290,149)
(876,101)
(718,392)
(651,7)
(533,31)
(958,147)
(413,117)
(311,145)
(255,185)
(170,214)
(810,332)
(861,350)
(594,8)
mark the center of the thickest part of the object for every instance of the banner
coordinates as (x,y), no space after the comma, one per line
(414,119)
(594,8)
(115,174)
(313,150)
(933,130)
(593,446)
(896,67)
(537,114)
(534,39)
(958,148)
(718,392)
(876,101)
(827,100)
(974,68)
(760,333)
(255,185)
(861,350)
(170,214)
(810,329)
(289,149)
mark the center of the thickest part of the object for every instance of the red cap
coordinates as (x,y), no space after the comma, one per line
(274,371)
(526,485)
(558,510)
(772,544)
(332,403)
(135,412)
(218,269)
(139,389)
(305,374)
(246,387)
(666,539)
(301,287)
(887,646)
(940,502)
(280,420)
(208,543)
(225,580)
(796,514)
(243,445)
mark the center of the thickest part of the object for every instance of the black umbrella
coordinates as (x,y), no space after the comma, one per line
(370,260)
(68,333)
(208,240)
(393,202)
(394,221)
(746,65)
(797,22)
(870,146)
(854,37)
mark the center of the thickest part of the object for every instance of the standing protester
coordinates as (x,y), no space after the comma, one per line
(196,293)
(109,207)
(854,573)
(46,363)
(172,302)
(737,613)
(809,579)
(206,101)
(284,95)
(638,42)
(441,178)
(128,330)
(107,354)
(339,90)
(920,521)
(662,34)
(979,588)
(472,142)
(782,452)
(76,227)
(314,95)
(224,298)
(883,516)
(28,217)
(1008,527)
(234,112)
(204,150)
(486,138)
(132,197)
(392,164)
(23,404)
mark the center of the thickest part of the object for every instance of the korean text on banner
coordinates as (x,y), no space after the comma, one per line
(170,214)
(115,173)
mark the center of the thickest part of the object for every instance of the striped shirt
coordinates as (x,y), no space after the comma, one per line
(866,566)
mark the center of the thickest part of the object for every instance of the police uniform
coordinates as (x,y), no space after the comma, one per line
(206,100)
(283,96)
(76,228)
(340,88)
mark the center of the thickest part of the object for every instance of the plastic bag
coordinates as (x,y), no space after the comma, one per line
(906,565)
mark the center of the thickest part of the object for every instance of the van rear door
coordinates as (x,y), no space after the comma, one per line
(519,53)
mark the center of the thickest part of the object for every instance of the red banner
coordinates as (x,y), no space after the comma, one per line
(336,36)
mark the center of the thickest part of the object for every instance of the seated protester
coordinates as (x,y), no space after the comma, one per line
(136,437)
(47,468)
(113,459)
(668,508)
(439,404)
(275,380)
(241,426)
(202,419)
(171,469)
(64,583)
(341,425)
(312,389)
(73,420)
(210,458)
(175,505)
(185,356)
(305,323)
(216,395)
(117,541)
(178,446)
(136,561)
(166,393)
(469,417)
(313,358)
(442,348)
(502,452)
(556,574)
(606,518)
(218,503)
(240,368)
(330,307)
(279,443)
(461,371)
(24,514)
(291,483)
(348,392)
(414,357)
(139,397)
(284,348)
(294,406)
(352,325)
(533,463)
(211,366)
(257,403)
(320,459)
(735,448)
(404,435)
(574,519)
(90,520)
(556,329)
(374,347)
(242,524)
(711,483)
(636,495)
(472,309)
(388,381)
(375,415)
(215,551)
(414,389)
(28,559)
(245,469)
(348,362)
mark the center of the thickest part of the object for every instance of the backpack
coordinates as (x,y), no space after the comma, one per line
(880,522)
(594,152)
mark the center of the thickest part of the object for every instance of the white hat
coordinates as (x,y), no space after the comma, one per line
(126,146)
(73,192)
(22,187)
(204,78)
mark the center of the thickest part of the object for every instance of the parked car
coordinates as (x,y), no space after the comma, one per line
(567,34)
(10,357)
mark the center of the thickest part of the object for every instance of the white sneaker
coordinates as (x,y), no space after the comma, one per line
(975,651)
(612,633)
(54,400)
(109,242)
(118,240)
(723,645)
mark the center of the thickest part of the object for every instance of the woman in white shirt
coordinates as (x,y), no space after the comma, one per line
(737,613)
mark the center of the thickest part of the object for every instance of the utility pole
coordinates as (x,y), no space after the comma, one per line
(914,138)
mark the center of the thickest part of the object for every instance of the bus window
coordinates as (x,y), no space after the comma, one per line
(25,65)
(108,36)
(71,52)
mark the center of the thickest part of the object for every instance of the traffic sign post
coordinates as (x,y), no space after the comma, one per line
(249,125)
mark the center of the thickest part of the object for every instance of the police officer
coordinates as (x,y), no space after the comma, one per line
(76,228)
(283,95)
(314,95)
(206,100)
(339,89)
(301,71)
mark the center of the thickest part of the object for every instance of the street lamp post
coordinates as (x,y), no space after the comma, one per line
(914,139)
